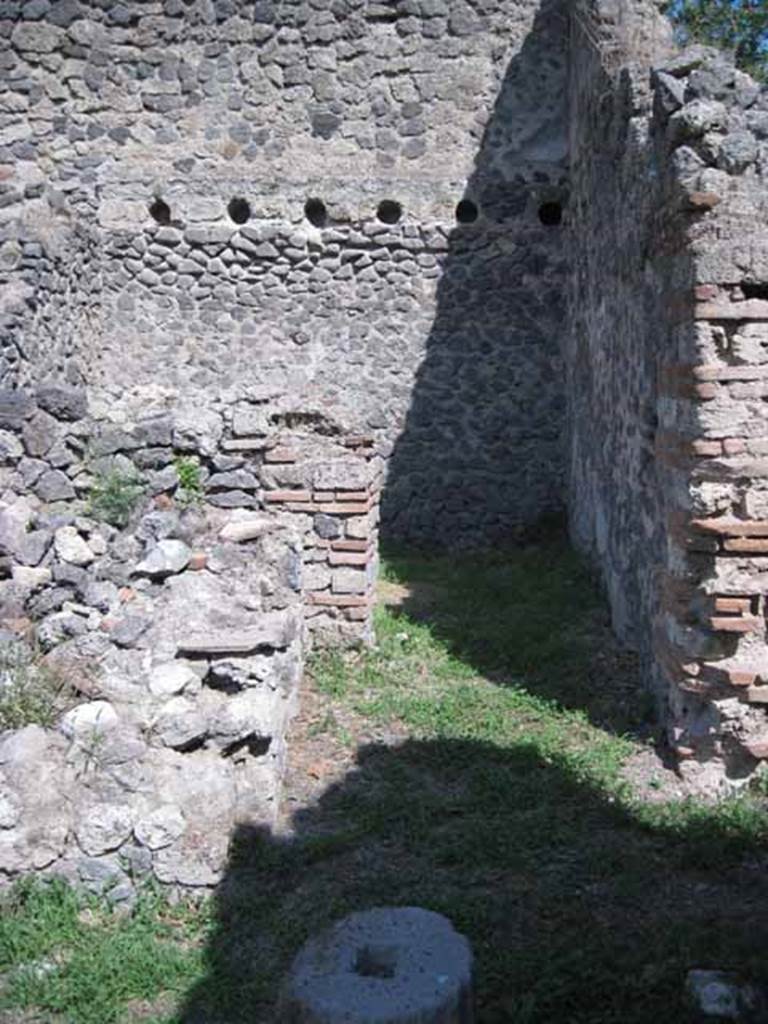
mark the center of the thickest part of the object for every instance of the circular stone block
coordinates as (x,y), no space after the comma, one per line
(400,965)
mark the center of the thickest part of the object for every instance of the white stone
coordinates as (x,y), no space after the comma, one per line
(10,446)
(171,678)
(31,578)
(70,546)
(103,827)
(167,558)
(246,528)
(88,720)
(10,809)
(160,827)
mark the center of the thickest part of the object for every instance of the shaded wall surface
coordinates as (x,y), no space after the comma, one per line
(664,355)
(437,337)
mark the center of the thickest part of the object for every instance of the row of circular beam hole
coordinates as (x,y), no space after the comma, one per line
(388,212)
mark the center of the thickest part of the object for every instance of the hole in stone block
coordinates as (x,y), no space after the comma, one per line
(551,214)
(191,746)
(376,961)
(753,290)
(254,745)
(219,679)
(466,212)
(316,213)
(160,211)
(389,212)
(313,422)
(239,210)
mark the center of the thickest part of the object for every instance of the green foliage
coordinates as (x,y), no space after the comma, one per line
(740,26)
(190,491)
(114,496)
(492,723)
(30,692)
(74,956)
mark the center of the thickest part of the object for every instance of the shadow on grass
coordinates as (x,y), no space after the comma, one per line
(578,907)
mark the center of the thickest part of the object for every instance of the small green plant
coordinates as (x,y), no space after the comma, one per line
(190,490)
(30,692)
(114,496)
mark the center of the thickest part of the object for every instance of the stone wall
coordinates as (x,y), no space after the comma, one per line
(174,572)
(668,314)
(345,281)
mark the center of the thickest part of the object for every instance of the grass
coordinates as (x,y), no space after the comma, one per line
(490,726)
(31,691)
(76,960)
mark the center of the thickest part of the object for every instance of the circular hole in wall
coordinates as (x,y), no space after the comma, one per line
(466,211)
(389,212)
(551,214)
(315,212)
(160,211)
(239,210)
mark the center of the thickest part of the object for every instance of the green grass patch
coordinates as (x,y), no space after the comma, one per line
(497,799)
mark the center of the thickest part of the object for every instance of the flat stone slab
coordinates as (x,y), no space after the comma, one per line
(272,629)
(382,966)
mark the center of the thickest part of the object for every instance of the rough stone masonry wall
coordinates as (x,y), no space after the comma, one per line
(179,618)
(230,234)
(665,368)
(397,322)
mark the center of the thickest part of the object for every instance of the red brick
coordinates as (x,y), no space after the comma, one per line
(198,561)
(753,545)
(704,201)
(348,558)
(349,545)
(715,372)
(732,604)
(708,449)
(705,392)
(741,677)
(350,496)
(323,496)
(734,446)
(733,527)
(748,309)
(275,496)
(281,454)
(340,600)
(757,746)
(736,624)
(357,441)
(126,594)
(704,292)
(343,509)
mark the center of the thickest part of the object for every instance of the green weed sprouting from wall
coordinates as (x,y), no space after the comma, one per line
(114,496)
(31,693)
(190,490)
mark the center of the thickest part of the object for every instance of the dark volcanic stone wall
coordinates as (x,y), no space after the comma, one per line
(617,325)
(439,337)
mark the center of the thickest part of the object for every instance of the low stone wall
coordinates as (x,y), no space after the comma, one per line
(174,569)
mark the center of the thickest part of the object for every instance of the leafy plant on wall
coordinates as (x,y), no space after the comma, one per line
(740,26)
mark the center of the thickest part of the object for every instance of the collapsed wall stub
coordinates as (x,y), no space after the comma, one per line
(664,364)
